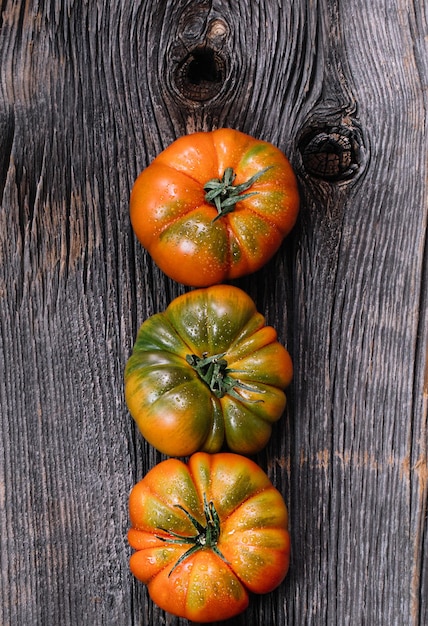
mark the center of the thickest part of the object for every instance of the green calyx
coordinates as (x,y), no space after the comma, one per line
(206,536)
(213,370)
(223,194)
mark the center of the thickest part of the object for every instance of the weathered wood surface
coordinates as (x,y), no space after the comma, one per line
(90,93)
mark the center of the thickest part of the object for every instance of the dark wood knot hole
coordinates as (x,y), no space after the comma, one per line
(331,153)
(201,74)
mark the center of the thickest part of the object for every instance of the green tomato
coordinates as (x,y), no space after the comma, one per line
(207,373)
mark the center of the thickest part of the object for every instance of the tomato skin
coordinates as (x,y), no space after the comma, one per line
(175,408)
(251,553)
(173,220)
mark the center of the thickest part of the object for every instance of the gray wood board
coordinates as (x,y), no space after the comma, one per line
(90,93)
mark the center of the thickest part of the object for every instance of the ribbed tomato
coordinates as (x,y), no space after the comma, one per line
(208,533)
(207,372)
(214,206)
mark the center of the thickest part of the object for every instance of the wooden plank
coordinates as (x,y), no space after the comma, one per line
(89,94)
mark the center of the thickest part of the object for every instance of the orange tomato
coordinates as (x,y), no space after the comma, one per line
(208,533)
(214,206)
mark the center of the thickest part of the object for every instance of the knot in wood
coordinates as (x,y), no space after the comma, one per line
(201,74)
(331,153)
(198,61)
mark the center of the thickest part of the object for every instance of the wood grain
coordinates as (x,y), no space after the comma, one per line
(89,94)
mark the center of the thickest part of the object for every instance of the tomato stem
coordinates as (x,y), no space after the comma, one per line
(213,370)
(207,536)
(223,194)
